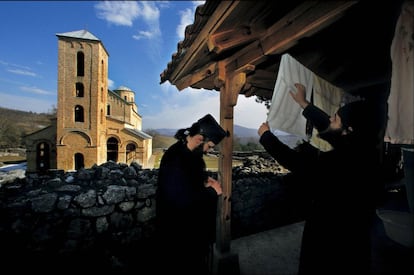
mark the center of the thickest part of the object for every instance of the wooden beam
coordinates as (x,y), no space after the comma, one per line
(221,74)
(197,76)
(251,54)
(262,79)
(305,20)
(254,91)
(236,80)
(236,83)
(281,35)
(225,40)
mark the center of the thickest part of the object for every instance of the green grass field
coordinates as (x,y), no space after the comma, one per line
(12,159)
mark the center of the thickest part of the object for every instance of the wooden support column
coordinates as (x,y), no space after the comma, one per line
(226,262)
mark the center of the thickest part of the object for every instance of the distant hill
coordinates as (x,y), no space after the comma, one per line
(26,122)
(243,134)
(15,124)
(239,131)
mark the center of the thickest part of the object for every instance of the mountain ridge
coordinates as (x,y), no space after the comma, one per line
(244,135)
(239,131)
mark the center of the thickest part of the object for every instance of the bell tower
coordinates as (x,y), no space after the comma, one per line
(82,99)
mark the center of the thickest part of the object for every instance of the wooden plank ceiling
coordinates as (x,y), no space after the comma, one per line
(345,42)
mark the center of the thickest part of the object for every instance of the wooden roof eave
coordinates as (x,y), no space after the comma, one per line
(303,21)
(197,76)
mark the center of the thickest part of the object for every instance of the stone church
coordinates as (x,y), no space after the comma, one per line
(93,124)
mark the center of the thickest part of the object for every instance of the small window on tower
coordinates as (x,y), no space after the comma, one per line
(81,64)
(79,90)
(79,116)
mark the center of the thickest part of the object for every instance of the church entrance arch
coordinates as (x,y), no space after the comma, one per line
(112,149)
(79,161)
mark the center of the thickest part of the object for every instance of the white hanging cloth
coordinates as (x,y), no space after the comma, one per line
(284,113)
(400,125)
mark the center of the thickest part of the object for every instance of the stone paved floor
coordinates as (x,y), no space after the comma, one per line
(276,251)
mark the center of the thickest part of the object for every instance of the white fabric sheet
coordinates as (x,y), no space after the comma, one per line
(400,125)
(284,113)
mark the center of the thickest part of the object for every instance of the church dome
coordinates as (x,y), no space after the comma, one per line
(123,88)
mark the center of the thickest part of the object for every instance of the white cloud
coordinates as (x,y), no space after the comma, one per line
(248,113)
(150,14)
(37,91)
(14,65)
(21,72)
(181,109)
(121,13)
(144,34)
(187,18)
(111,84)
(149,11)
(17,69)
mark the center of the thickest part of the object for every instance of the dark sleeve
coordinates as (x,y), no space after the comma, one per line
(283,154)
(319,118)
(181,183)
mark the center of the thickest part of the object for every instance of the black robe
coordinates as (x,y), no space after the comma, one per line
(340,185)
(186,211)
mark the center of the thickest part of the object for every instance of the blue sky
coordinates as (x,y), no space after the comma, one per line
(140,37)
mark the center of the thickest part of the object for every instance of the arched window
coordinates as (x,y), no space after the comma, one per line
(102,71)
(108,110)
(79,161)
(81,64)
(42,156)
(79,90)
(79,116)
(112,149)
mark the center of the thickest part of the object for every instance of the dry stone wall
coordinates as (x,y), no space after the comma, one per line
(102,218)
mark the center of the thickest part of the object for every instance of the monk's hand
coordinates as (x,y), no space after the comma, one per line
(215,185)
(263,128)
(300,95)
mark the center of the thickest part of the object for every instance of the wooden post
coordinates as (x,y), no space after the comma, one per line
(226,262)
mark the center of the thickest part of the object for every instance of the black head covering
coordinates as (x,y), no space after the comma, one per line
(352,115)
(206,126)
(211,129)
(182,134)
(361,116)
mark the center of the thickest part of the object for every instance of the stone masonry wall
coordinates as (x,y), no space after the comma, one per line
(102,218)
